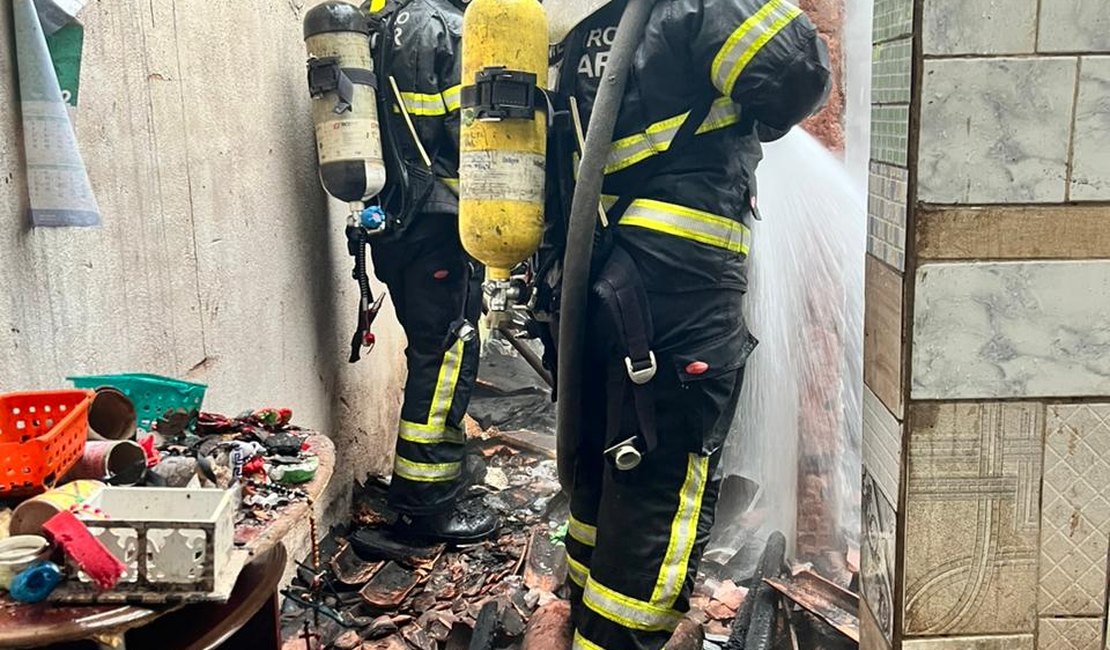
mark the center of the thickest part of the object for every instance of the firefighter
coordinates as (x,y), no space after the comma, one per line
(434,285)
(710,81)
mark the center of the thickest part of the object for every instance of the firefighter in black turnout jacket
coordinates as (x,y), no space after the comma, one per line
(435,287)
(710,80)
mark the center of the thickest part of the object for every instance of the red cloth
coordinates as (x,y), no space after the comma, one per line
(67,531)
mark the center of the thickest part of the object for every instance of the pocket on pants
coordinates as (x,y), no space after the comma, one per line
(710,378)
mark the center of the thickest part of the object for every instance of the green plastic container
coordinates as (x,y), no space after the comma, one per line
(153,395)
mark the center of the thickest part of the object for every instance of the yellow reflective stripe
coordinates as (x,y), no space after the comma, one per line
(582,643)
(684,532)
(577,571)
(658,137)
(452,183)
(435,429)
(695,225)
(427,434)
(748,39)
(424,105)
(608,200)
(426,472)
(452,98)
(628,612)
(582,533)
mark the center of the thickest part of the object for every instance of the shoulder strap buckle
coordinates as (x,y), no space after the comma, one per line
(641,371)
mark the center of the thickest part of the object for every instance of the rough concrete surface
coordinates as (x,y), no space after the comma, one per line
(217,260)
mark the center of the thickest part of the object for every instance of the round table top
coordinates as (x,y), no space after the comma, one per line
(23,626)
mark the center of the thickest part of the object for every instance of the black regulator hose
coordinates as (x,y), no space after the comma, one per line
(580,233)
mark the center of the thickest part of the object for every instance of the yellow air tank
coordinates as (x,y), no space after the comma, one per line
(504,137)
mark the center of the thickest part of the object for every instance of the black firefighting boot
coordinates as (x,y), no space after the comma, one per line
(466,524)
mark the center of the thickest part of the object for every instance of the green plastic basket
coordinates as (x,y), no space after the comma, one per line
(152,395)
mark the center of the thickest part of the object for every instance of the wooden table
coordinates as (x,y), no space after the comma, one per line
(35,626)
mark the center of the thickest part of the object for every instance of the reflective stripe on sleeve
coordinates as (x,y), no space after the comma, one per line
(582,643)
(426,472)
(688,223)
(452,98)
(628,612)
(582,533)
(748,39)
(424,105)
(658,137)
(684,532)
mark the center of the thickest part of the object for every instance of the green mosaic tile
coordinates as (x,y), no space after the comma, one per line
(890,127)
(888,195)
(891,65)
(893,19)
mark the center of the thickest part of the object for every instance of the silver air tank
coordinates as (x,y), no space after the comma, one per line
(344,105)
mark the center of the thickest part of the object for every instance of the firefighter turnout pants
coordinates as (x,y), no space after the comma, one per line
(433,285)
(636,537)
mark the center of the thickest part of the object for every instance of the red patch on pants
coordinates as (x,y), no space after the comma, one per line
(441,274)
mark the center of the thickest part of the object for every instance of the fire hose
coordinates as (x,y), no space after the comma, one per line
(580,233)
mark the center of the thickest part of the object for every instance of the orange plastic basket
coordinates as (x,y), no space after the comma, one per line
(42,436)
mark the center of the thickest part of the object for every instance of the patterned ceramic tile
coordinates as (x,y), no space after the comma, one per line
(882,445)
(1075,26)
(886,211)
(1090,179)
(870,636)
(890,127)
(979,27)
(877,556)
(1070,634)
(1016,642)
(891,65)
(1013,233)
(892,19)
(1009,329)
(882,334)
(972,513)
(1075,518)
(996,130)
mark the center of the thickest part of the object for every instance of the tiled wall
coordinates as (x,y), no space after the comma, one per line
(987,344)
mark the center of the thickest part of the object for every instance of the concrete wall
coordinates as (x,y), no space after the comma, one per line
(987,431)
(217,260)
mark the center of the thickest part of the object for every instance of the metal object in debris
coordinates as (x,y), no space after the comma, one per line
(837,607)
(29,516)
(106,459)
(112,416)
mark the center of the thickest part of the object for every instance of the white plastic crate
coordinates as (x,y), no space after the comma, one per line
(177,545)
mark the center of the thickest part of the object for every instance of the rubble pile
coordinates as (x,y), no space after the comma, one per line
(372,589)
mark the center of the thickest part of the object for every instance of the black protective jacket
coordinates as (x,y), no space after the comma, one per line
(425,59)
(760,65)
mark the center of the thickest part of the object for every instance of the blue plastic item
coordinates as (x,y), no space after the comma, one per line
(36,582)
(373,218)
